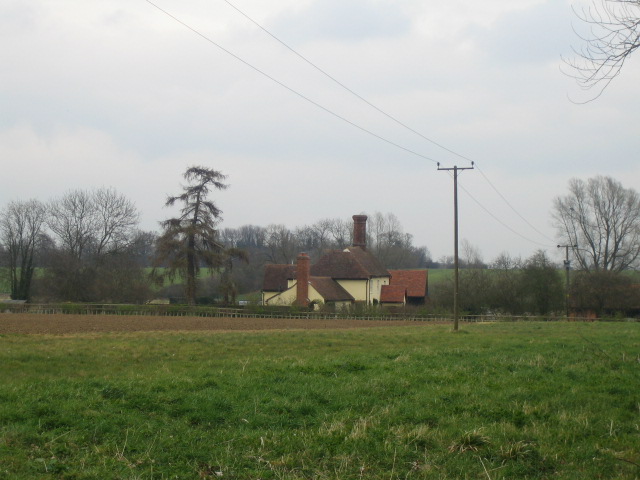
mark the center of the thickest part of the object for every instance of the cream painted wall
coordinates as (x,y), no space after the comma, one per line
(314,296)
(356,288)
(375,286)
(361,290)
(266,296)
(283,298)
(288,297)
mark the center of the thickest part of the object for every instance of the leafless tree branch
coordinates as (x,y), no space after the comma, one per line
(614,34)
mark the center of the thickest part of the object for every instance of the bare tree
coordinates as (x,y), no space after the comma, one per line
(322,232)
(191,240)
(97,222)
(229,237)
(383,232)
(73,220)
(89,227)
(281,243)
(251,236)
(471,256)
(602,218)
(116,218)
(614,34)
(376,230)
(341,232)
(21,225)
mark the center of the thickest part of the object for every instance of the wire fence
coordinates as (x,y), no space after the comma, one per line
(219,312)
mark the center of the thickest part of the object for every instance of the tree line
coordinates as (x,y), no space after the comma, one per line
(537,286)
(86,243)
(87,246)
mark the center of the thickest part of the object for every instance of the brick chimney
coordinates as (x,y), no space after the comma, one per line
(303,267)
(360,231)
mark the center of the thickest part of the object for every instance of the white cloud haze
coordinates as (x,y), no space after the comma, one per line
(118,94)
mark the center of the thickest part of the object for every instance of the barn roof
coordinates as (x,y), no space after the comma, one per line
(415,281)
(393,294)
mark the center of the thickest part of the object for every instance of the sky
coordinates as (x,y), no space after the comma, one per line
(120,94)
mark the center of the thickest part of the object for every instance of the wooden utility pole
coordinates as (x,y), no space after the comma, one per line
(567,267)
(455,169)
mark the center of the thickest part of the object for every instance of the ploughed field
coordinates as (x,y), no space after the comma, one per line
(61,324)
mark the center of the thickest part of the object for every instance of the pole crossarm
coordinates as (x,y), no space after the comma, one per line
(456,171)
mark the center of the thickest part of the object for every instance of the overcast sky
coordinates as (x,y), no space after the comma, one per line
(116,93)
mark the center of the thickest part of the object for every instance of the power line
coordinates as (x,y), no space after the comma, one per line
(512,207)
(488,212)
(501,222)
(305,59)
(391,117)
(344,119)
(273,79)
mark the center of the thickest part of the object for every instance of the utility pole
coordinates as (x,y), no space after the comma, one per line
(455,169)
(567,267)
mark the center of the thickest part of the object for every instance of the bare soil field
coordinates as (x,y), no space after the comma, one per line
(22,323)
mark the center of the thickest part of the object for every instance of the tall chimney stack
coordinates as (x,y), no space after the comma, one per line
(303,268)
(360,231)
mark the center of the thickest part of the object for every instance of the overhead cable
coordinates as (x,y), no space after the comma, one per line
(273,79)
(512,207)
(501,222)
(329,76)
(393,118)
(346,120)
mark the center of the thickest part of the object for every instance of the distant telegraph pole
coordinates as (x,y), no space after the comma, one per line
(455,169)
(567,267)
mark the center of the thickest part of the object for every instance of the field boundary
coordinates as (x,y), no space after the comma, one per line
(218,312)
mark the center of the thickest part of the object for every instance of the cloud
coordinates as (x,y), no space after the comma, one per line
(118,94)
(338,20)
(16,18)
(46,165)
(537,34)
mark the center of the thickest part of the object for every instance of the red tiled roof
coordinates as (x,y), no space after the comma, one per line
(330,290)
(276,277)
(393,294)
(415,281)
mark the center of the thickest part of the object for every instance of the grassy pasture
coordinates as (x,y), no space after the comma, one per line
(494,401)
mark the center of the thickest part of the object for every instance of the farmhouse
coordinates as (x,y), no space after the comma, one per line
(342,278)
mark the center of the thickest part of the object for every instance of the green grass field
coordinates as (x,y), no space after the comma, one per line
(494,401)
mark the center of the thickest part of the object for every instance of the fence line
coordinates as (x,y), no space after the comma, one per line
(216,312)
